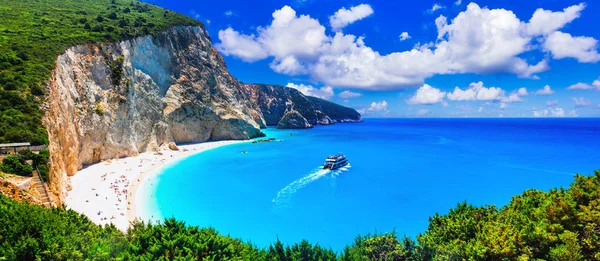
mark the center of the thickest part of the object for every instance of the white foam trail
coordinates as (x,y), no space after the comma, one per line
(284,195)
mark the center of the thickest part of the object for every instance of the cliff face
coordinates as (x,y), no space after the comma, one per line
(121,99)
(274,102)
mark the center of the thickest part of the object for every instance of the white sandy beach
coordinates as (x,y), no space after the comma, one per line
(105,192)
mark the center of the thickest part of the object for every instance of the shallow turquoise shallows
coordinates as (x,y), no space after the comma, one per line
(401,172)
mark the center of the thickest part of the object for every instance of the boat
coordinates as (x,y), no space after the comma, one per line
(335,162)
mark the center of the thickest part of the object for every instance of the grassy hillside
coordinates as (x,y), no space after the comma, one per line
(561,224)
(34,32)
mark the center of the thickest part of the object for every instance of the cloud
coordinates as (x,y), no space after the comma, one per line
(478,40)
(503,105)
(477,91)
(375,107)
(458,2)
(544,22)
(547,90)
(436,7)
(581,102)
(427,95)
(563,45)
(404,36)
(244,47)
(323,92)
(584,86)
(552,103)
(555,112)
(480,109)
(344,17)
(522,92)
(229,13)
(349,94)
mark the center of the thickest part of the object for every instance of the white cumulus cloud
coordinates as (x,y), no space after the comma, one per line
(477,91)
(323,92)
(344,17)
(375,107)
(404,36)
(522,91)
(544,22)
(552,103)
(547,90)
(563,45)
(584,86)
(349,94)
(427,95)
(244,47)
(436,7)
(555,112)
(478,40)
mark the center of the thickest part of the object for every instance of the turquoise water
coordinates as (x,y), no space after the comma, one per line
(401,172)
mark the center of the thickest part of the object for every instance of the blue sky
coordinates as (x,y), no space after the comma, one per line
(416,58)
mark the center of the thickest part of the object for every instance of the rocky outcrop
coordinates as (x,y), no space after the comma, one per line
(120,99)
(292,119)
(274,101)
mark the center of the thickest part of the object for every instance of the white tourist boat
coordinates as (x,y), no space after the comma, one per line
(335,162)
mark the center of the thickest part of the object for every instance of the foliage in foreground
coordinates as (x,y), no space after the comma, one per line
(34,32)
(555,225)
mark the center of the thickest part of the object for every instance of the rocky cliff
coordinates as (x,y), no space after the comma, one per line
(274,102)
(120,99)
(116,100)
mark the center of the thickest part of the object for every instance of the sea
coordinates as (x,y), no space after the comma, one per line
(401,172)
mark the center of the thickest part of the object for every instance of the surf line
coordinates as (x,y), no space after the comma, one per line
(284,194)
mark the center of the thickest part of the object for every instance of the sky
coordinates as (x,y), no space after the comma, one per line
(510,58)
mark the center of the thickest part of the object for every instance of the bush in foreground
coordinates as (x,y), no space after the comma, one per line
(561,224)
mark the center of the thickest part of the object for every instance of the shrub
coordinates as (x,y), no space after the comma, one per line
(99,109)
(112,16)
(44,173)
(15,165)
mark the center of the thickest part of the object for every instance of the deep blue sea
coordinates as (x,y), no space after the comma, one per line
(401,172)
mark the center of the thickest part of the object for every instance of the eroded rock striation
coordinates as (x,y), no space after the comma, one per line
(292,119)
(121,99)
(116,100)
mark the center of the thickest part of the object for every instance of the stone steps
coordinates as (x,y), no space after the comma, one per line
(39,185)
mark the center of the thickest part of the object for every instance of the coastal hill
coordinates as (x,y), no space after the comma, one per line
(278,103)
(98,80)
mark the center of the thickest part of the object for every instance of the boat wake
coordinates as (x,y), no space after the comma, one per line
(284,195)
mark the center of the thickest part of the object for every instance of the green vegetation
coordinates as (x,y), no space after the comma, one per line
(34,32)
(99,109)
(16,165)
(561,224)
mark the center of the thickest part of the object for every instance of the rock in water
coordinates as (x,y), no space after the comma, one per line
(292,119)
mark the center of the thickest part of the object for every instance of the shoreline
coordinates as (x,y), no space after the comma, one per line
(106,192)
